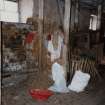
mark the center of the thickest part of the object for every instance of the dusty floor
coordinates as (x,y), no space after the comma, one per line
(19,95)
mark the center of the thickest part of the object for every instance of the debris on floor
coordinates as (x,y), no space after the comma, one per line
(19,95)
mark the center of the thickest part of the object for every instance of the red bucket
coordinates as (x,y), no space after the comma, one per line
(40,95)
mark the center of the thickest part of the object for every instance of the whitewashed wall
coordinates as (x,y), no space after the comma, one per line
(26,8)
(9,11)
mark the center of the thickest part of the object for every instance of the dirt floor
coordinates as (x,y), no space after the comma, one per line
(94,94)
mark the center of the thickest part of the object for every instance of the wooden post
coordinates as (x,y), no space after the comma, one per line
(40,31)
(67,18)
(66,30)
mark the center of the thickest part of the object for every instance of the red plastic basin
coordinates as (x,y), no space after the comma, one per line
(40,95)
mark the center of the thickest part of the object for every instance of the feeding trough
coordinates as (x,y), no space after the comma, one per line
(40,95)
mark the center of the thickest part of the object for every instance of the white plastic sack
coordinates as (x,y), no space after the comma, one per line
(79,81)
(59,79)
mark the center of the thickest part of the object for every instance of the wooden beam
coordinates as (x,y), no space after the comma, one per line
(67,18)
(66,30)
